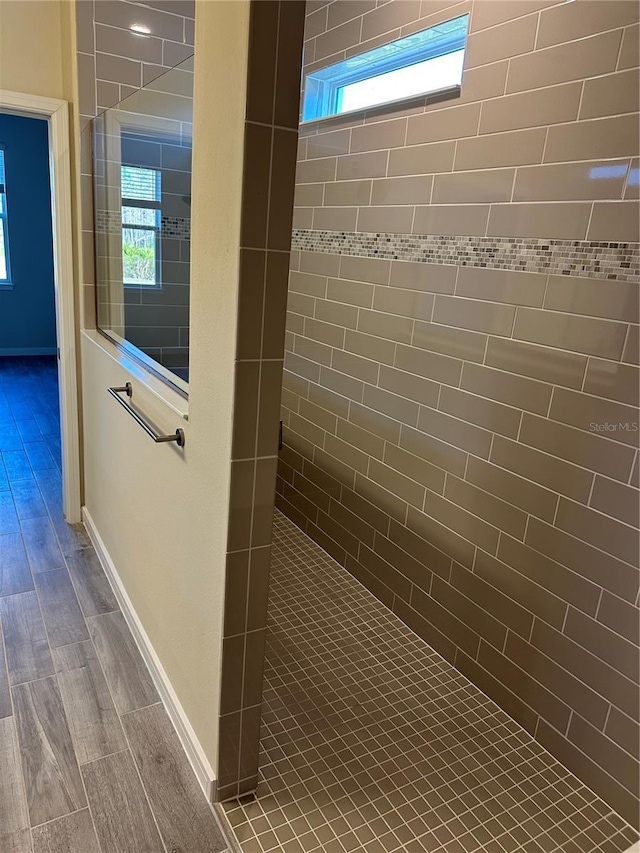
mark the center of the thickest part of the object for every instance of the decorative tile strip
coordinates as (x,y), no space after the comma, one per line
(108,221)
(616,261)
(174,227)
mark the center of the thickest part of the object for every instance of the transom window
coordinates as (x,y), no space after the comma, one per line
(423,63)
(141,223)
(5,270)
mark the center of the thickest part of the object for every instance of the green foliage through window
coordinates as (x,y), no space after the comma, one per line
(138,256)
(141,223)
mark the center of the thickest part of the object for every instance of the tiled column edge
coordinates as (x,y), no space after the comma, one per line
(271,136)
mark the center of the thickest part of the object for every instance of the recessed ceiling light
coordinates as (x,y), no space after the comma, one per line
(140,28)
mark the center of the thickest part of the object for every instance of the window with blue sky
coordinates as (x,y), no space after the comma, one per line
(423,63)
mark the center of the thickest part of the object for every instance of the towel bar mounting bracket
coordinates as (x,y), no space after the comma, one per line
(116,392)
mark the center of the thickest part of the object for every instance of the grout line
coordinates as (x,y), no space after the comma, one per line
(513,183)
(625,186)
(60,817)
(619,56)
(633,465)
(624,346)
(581,98)
(591,212)
(597,607)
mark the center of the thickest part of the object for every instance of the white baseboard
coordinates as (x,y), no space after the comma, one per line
(635,848)
(28,351)
(190,743)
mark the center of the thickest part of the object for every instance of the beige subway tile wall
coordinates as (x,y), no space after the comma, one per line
(461,383)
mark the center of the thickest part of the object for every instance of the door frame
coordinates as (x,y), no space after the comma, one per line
(56,113)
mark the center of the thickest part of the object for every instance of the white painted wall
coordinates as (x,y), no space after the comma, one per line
(34,48)
(162,513)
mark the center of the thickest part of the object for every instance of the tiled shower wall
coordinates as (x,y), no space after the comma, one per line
(460,390)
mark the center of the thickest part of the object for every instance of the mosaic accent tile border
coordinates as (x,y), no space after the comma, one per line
(615,261)
(176,227)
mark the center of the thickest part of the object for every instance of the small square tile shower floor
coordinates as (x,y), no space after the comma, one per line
(372,742)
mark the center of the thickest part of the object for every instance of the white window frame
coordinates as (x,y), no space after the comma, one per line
(323,87)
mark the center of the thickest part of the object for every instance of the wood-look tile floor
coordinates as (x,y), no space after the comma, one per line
(89,761)
(372,742)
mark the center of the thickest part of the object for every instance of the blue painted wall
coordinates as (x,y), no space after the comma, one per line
(27,313)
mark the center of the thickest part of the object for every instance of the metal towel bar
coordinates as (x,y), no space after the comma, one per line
(177,436)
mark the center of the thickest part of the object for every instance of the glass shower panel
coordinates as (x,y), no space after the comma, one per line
(142,196)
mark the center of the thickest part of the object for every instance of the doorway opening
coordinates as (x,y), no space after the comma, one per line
(30,443)
(38,371)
